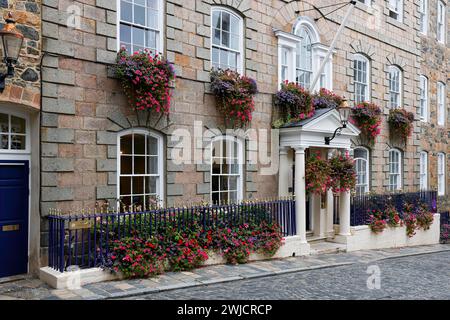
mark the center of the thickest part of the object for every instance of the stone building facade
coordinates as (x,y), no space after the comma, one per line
(435,66)
(85,115)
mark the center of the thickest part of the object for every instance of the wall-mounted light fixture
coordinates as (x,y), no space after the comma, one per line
(11,41)
(344,113)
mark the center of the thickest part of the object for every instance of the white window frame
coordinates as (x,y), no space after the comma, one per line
(441,100)
(160,30)
(240,52)
(358,82)
(396,6)
(366,2)
(441,169)
(423,16)
(398,173)
(366,163)
(289,42)
(161,168)
(423,93)
(240,160)
(441,22)
(423,172)
(10,112)
(395,77)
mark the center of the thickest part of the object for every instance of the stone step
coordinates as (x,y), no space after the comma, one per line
(323,247)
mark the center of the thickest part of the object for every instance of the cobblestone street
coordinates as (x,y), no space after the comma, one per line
(414,277)
(405,273)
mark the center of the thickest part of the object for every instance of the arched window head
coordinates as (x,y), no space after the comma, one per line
(361,78)
(140,168)
(300,55)
(227,39)
(361,156)
(227,162)
(395,170)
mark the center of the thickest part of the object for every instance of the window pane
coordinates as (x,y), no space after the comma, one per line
(215,57)
(139,165)
(4,123)
(138,185)
(4,141)
(152,18)
(234,25)
(151,185)
(138,37)
(153,4)
(139,144)
(126,165)
(18,142)
(150,41)
(126,144)
(152,146)
(126,11)
(125,33)
(125,185)
(225,39)
(216,22)
(225,21)
(152,164)
(139,15)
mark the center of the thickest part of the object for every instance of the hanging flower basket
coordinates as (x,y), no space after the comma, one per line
(343,175)
(146,80)
(317,174)
(294,102)
(401,123)
(234,96)
(326,99)
(367,117)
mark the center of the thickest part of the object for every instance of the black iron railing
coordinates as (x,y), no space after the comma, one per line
(361,205)
(85,240)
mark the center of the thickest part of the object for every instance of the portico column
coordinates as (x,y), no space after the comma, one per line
(300,194)
(330,205)
(283,176)
(344,213)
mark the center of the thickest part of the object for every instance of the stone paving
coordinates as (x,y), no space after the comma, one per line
(322,276)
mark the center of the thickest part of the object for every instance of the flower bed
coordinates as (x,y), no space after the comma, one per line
(401,123)
(234,96)
(173,250)
(146,79)
(367,117)
(414,218)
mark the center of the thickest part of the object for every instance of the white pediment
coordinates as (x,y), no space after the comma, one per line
(313,133)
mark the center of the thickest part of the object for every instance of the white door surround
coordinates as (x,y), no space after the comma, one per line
(311,133)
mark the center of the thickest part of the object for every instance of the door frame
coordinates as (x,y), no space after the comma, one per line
(22,155)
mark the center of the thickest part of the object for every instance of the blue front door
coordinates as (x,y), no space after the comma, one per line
(14,177)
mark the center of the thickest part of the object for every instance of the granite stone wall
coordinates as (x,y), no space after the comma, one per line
(84,108)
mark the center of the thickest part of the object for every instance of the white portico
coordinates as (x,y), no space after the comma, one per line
(296,141)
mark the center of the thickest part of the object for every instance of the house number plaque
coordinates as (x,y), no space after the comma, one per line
(80,225)
(14,227)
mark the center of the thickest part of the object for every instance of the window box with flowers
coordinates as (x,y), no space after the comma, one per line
(400,123)
(367,117)
(234,96)
(294,104)
(146,79)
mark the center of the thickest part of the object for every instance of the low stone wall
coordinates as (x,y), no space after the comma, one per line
(362,238)
(74,279)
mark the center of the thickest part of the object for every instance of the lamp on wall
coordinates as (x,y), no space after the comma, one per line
(344,113)
(11,41)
